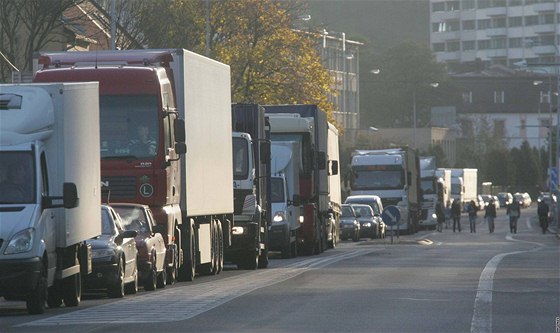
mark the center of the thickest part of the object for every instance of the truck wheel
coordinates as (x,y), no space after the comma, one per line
(72,290)
(188,268)
(150,281)
(172,271)
(36,299)
(54,296)
(117,289)
(221,247)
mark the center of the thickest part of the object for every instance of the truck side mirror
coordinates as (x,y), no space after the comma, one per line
(180,148)
(334,168)
(321,160)
(296,200)
(179,129)
(70,195)
(265,152)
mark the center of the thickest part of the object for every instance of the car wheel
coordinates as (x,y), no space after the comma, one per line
(132,287)
(150,282)
(117,289)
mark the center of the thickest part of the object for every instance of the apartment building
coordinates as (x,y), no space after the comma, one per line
(464,33)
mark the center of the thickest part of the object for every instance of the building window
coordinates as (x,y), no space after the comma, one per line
(468,45)
(438,6)
(499,22)
(453,26)
(467,97)
(483,4)
(545,97)
(531,20)
(469,25)
(546,19)
(438,47)
(498,43)
(484,44)
(453,46)
(515,42)
(515,21)
(516,2)
(453,5)
(484,24)
(468,4)
(499,97)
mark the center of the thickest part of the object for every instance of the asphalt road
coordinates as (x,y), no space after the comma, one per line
(429,282)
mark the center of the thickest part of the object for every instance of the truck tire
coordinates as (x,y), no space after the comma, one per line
(72,290)
(221,247)
(54,295)
(187,271)
(35,301)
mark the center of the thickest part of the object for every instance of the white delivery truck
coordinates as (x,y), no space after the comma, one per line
(464,185)
(335,191)
(285,196)
(436,186)
(50,193)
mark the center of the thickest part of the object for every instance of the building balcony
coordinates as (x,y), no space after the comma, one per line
(497,53)
(496,11)
(496,32)
(544,28)
(448,35)
(544,49)
(544,7)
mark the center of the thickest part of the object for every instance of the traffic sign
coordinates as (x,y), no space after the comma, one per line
(391,215)
(553,172)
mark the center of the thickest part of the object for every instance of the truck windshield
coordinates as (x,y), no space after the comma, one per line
(365,179)
(304,141)
(129,126)
(17,177)
(456,188)
(240,159)
(277,189)
(427,185)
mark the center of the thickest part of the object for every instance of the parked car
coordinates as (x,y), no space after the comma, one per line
(150,245)
(480,203)
(524,199)
(114,253)
(487,197)
(374,202)
(369,227)
(349,225)
(505,198)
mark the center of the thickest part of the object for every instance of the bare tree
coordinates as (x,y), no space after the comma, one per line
(27,26)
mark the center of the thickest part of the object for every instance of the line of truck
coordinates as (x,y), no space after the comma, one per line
(209,171)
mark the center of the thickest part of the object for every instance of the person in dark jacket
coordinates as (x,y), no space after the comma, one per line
(440,215)
(472,209)
(513,211)
(456,214)
(543,211)
(490,215)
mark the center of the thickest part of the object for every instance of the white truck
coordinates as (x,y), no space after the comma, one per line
(394,175)
(285,196)
(464,185)
(436,185)
(50,196)
(335,190)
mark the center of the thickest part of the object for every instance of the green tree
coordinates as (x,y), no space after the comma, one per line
(499,167)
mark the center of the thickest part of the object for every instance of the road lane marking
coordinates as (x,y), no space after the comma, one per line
(183,303)
(482,313)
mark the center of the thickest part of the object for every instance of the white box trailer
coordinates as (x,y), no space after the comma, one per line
(334,189)
(49,136)
(203,96)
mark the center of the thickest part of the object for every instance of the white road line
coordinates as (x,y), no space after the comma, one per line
(186,302)
(482,314)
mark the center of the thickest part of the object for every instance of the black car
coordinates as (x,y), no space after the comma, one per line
(349,225)
(113,257)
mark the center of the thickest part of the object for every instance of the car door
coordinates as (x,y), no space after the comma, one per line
(128,246)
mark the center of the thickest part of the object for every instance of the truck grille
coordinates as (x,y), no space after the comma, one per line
(119,187)
(390,201)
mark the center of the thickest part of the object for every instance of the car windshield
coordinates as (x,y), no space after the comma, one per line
(347,211)
(133,218)
(364,211)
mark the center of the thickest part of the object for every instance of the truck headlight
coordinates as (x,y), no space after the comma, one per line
(21,242)
(367,225)
(301,219)
(237,231)
(434,216)
(278,217)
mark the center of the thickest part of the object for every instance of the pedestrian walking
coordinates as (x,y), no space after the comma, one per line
(513,211)
(440,215)
(447,214)
(543,212)
(456,214)
(490,215)
(472,209)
